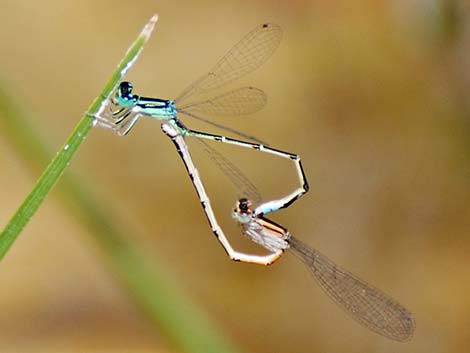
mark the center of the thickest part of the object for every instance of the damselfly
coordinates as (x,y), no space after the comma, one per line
(367,305)
(248,54)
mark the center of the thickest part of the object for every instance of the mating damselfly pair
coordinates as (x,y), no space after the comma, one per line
(364,303)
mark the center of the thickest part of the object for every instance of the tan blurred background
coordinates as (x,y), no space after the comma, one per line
(372,94)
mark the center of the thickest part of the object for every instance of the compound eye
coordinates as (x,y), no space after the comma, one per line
(125,90)
(124,94)
(244,204)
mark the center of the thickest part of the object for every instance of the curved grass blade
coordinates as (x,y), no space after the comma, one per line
(57,166)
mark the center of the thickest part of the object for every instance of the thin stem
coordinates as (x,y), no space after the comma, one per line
(57,166)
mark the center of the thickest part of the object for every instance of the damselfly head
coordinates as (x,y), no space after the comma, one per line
(244,205)
(124,94)
(242,212)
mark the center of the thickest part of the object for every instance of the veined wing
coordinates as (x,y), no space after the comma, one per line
(242,101)
(226,128)
(246,56)
(243,185)
(367,305)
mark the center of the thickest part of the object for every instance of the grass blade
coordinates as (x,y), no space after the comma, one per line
(57,166)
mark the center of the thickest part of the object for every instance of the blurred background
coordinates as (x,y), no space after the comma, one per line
(373,95)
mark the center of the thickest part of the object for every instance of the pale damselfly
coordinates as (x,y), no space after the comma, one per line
(367,305)
(126,108)
(364,303)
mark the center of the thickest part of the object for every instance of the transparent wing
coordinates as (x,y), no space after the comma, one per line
(246,56)
(242,101)
(226,128)
(364,303)
(243,185)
